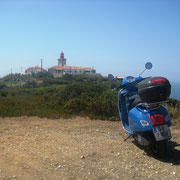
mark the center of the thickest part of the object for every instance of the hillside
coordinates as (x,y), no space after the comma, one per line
(82,95)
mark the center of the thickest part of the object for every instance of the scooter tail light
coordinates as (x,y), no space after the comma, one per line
(157,119)
(158,81)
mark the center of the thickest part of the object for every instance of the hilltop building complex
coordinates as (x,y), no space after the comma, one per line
(61,69)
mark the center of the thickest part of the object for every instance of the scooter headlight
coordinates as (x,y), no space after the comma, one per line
(130,79)
(144,123)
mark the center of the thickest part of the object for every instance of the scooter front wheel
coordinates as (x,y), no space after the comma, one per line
(159,148)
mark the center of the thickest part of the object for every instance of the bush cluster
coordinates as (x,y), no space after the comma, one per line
(80,95)
(89,99)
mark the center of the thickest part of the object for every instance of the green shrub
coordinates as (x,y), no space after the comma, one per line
(4,94)
(2,86)
(13,94)
(30,84)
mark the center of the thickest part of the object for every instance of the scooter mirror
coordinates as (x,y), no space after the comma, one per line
(111,77)
(148,65)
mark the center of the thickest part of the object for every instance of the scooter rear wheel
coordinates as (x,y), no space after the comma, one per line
(159,148)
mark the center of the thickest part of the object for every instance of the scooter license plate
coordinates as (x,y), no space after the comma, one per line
(161,132)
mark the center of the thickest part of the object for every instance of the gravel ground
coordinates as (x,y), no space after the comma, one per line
(79,148)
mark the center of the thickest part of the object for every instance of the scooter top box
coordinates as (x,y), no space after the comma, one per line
(154,89)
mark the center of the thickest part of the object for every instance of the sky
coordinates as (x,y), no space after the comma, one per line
(113,36)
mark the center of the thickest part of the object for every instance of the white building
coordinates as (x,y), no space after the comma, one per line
(34,70)
(61,69)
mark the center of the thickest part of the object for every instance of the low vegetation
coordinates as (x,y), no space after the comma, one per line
(81,95)
(173,107)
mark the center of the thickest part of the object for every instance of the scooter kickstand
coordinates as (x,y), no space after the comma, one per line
(128,137)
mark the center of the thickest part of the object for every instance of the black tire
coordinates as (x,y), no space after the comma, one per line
(159,148)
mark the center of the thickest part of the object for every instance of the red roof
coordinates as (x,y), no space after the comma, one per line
(87,68)
(56,67)
(69,67)
(34,68)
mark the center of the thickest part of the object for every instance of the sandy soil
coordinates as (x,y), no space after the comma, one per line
(79,148)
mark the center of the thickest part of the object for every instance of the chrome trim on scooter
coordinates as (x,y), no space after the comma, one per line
(151,106)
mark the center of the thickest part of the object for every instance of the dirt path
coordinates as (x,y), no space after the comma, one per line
(34,148)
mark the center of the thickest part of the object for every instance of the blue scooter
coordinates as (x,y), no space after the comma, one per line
(141,111)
